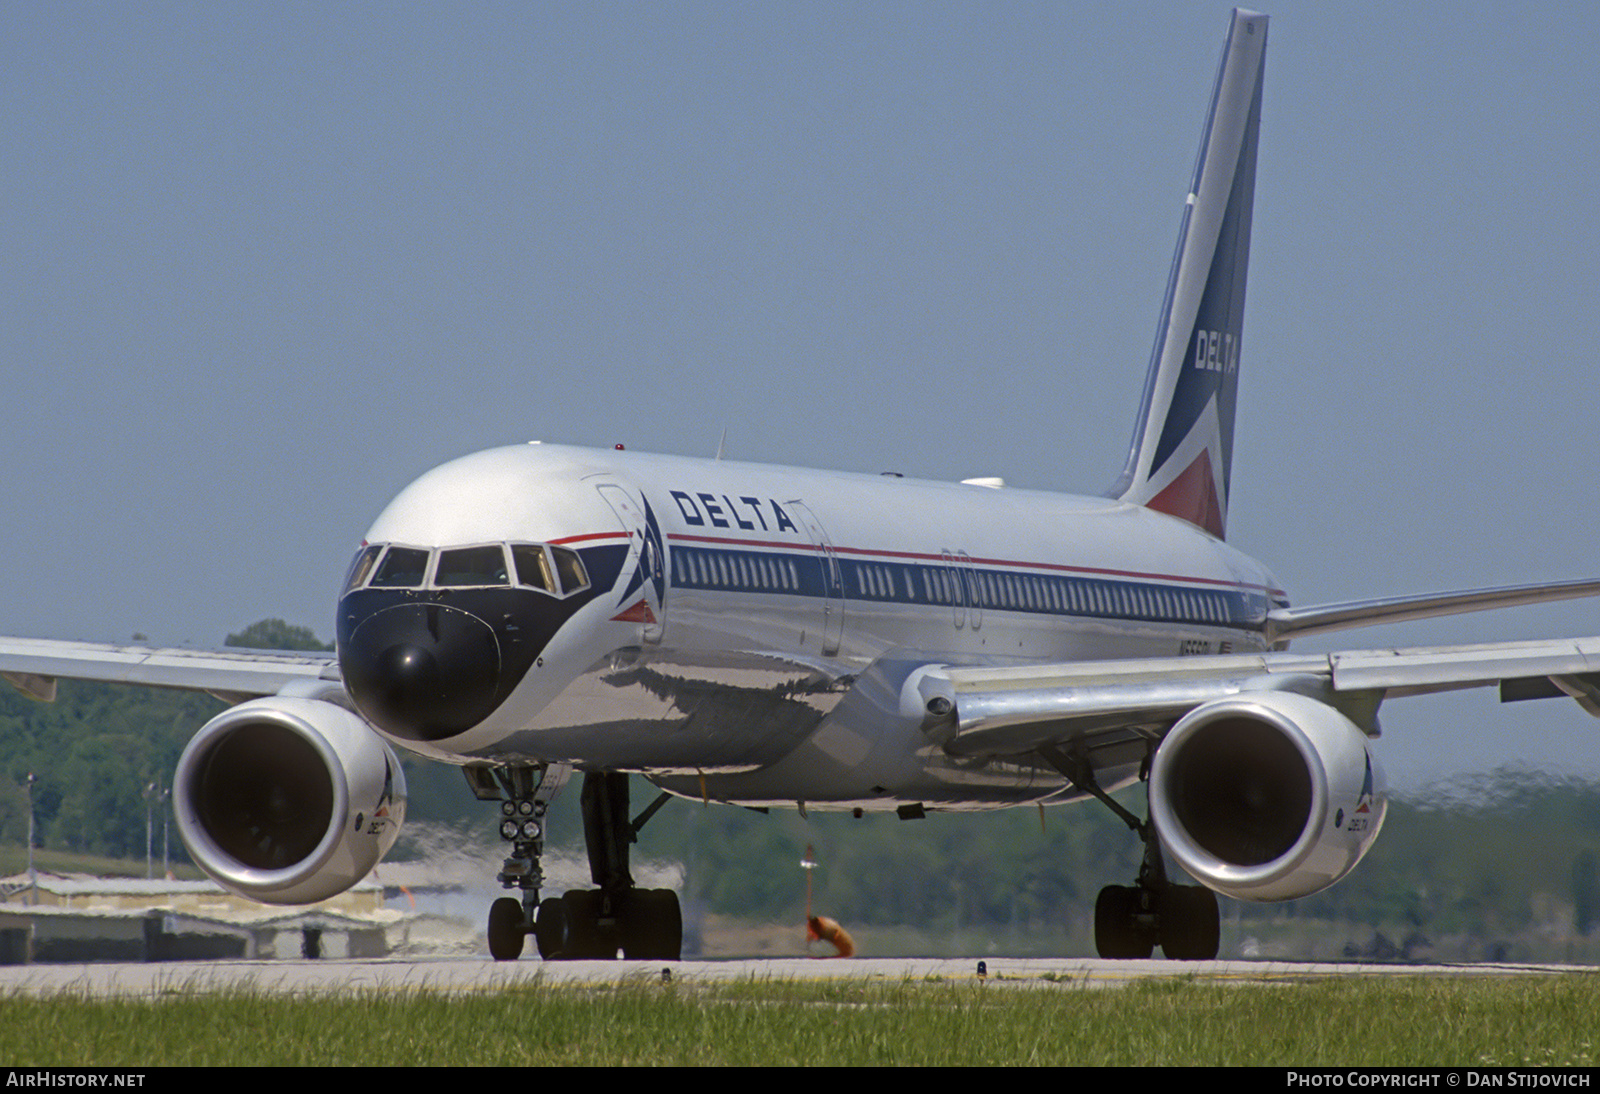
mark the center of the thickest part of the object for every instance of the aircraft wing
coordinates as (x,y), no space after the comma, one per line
(994,711)
(34,664)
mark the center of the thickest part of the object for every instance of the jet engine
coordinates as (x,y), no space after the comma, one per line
(1266,795)
(288,800)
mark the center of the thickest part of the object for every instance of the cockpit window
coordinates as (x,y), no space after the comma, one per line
(361,567)
(570,567)
(558,571)
(533,567)
(472,566)
(402,568)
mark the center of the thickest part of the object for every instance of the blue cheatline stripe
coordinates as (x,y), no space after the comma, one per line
(788,573)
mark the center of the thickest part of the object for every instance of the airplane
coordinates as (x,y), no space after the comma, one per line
(772,637)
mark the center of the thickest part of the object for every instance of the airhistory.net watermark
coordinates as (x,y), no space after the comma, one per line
(46,1077)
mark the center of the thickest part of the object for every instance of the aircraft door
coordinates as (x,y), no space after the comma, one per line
(644,580)
(832,578)
(966,594)
(969,573)
(958,588)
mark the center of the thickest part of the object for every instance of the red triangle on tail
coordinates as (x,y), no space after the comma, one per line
(1192,496)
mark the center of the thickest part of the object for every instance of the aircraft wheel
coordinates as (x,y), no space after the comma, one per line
(506,929)
(550,928)
(1117,934)
(653,927)
(586,938)
(1191,928)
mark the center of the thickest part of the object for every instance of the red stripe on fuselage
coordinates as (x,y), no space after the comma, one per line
(593,535)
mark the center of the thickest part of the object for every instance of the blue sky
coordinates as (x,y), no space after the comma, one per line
(264,264)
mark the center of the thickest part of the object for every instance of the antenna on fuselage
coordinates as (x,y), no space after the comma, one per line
(722,444)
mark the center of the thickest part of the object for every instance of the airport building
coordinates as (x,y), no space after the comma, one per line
(74,919)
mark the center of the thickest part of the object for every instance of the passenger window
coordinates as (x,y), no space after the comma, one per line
(402,568)
(361,567)
(570,567)
(533,567)
(471,566)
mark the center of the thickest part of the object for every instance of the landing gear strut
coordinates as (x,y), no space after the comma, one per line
(1131,920)
(645,924)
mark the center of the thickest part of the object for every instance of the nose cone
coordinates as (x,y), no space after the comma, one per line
(423,672)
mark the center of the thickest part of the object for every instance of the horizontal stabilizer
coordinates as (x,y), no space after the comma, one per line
(1322,618)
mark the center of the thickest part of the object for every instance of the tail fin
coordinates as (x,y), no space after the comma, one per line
(1183,439)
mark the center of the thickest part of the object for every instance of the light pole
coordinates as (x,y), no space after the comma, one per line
(33,878)
(808,864)
(149,826)
(166,866)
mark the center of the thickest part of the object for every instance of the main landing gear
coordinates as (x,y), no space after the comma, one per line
(1131,920)
(645,924)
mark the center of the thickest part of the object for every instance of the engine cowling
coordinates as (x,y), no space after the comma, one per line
(1267,795)
(288,800)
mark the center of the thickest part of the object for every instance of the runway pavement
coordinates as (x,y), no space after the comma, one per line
(483,975)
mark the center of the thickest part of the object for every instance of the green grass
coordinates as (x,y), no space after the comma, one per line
(1356,1021)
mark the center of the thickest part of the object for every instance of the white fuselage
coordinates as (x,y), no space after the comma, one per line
(760,659)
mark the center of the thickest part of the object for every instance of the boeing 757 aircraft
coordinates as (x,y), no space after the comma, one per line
(771,637)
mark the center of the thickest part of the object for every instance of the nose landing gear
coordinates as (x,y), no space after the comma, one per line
(644,924)
(524,792)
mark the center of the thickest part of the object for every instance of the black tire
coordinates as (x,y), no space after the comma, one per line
(550,929)
(586,939)
(1191,926)
(653,926)
(506,929)
(1116,933)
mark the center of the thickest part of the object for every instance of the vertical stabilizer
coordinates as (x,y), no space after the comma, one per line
(1183,439)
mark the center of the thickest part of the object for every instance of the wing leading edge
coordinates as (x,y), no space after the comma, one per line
(34,664)
(986,711)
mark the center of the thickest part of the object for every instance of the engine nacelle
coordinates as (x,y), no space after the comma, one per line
(1266,796)
(287,800)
